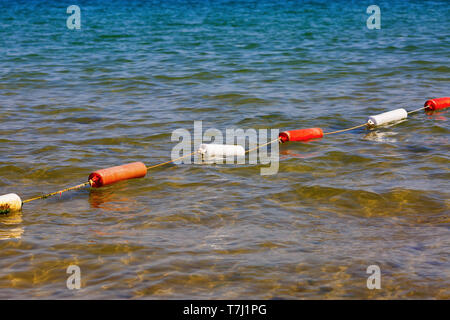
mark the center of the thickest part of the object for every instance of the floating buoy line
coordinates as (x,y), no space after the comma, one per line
(12,202)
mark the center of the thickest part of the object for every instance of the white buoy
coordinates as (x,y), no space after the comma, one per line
(220,150)
(9,203)
(386,117)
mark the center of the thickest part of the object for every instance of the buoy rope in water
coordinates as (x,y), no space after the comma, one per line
(307,133)
(192,153)
(365,124)
(44,196)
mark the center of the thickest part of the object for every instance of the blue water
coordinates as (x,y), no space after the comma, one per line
(72,101)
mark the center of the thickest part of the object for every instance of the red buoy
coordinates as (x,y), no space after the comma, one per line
(111,175)
(436,104)
(301,134)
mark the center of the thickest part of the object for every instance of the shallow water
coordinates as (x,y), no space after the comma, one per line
(113,92)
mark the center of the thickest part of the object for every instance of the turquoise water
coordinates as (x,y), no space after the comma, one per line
(73,101)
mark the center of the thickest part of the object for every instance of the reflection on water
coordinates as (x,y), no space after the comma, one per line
(286,154)
(110,200)
(381,136)
(437,116)
(11,226)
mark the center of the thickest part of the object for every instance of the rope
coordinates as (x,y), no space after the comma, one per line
(348,129)
(262,145)
(167,162)
(58,192)
(417,109)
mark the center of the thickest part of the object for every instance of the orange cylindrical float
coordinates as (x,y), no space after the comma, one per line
(301,134)
(111,175)
(438,103)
